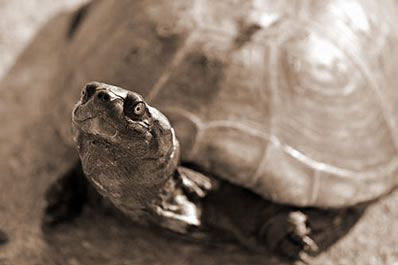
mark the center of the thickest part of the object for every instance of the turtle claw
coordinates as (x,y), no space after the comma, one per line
(310,245)
(304,258)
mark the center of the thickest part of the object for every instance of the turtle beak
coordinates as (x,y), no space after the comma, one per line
(99,109)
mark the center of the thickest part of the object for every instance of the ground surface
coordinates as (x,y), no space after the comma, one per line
(32,155)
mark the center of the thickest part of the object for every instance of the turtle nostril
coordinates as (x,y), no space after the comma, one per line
(103,96)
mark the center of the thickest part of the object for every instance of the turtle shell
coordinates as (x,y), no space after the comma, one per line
(295,100)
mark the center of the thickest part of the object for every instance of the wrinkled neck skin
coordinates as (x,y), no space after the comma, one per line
(131,179)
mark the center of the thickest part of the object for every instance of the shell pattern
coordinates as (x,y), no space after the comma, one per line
(295,100)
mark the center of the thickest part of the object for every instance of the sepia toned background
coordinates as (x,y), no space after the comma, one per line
(31,156)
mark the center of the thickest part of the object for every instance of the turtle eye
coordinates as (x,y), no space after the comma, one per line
(139,109)
(134,106)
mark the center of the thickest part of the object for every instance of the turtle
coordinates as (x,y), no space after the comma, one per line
(284,127)
(130,157)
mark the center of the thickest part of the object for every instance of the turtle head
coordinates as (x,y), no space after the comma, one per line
(128,149)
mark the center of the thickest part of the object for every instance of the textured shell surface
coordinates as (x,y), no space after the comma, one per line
(295,100)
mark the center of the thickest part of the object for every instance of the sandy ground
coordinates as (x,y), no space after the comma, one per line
(32,155)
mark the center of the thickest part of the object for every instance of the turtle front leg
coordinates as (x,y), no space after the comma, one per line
(66,197)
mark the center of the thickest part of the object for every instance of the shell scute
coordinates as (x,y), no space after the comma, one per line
(229,151)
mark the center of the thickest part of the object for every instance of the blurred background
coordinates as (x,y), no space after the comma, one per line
(20,20)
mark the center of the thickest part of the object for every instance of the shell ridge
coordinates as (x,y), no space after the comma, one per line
(183,112)
(197,142)
(341,172)
(238,126)
(164,77)
(316,164)
(257,175)
(274,86)
(316,187)
(194,119)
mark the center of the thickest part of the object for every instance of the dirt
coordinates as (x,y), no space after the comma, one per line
(33,154)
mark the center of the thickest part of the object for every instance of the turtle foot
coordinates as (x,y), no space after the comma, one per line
(257,224)
(65,198)
(288,235)
(300,234)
